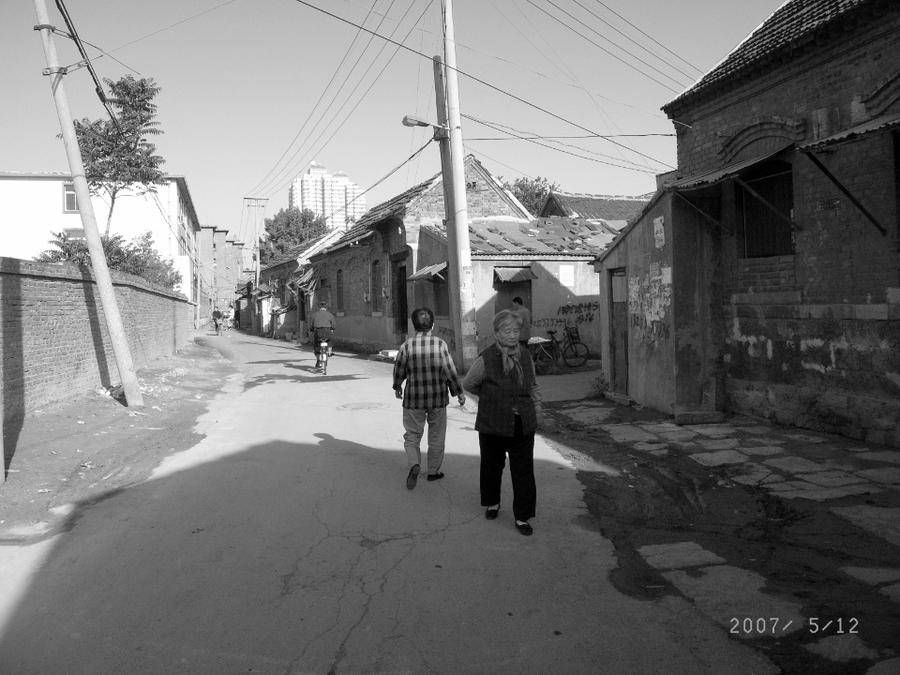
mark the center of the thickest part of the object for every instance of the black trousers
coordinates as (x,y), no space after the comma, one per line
(520,449)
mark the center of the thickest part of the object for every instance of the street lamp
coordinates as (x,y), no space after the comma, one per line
(441,132)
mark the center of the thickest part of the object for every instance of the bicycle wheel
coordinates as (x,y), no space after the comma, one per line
(544,360)
(324,363)
(575,354)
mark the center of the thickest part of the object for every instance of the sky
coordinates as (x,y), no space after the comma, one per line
(253,90)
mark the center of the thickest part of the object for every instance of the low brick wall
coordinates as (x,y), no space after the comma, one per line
(53,338)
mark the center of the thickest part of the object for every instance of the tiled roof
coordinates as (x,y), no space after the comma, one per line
(394,207)
(794,25)
(597,207)
(304,250)
(542,236)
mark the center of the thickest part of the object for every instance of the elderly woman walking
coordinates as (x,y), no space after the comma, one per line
(509,412)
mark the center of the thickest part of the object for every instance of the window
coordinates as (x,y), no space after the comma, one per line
(766,227)
(377,300)
(339,290)
(70,201)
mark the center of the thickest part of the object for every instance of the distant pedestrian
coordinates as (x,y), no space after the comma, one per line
(509,412)
(424,363)
(524,315)
(217,320)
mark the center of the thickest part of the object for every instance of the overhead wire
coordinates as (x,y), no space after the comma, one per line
(98,87)
(607,51)
(551,147)
(633,41)
(313,137)
(368,89)
(484,83)
(262,181)
(650,37)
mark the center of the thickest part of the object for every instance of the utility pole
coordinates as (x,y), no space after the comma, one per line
(102,277)
(254,202)
(458,218)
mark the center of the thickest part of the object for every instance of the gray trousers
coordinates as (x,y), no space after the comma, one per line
(414,420)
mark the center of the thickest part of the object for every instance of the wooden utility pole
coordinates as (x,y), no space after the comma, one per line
(102,277)
(458,217)
(254,202)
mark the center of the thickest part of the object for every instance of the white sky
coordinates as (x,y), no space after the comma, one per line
(239,81)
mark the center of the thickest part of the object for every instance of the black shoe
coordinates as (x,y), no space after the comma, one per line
(412,476)
(491,512)
(435,476)
(524,528)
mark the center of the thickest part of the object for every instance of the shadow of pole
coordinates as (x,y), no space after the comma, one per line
(93,314)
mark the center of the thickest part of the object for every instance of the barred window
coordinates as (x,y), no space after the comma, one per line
(70,201)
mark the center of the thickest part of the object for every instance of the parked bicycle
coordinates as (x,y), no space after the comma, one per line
(547,352)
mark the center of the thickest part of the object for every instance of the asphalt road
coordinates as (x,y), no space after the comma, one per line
(284,540)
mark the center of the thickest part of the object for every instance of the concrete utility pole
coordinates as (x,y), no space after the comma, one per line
(254,202)
(458,218)
(102,277)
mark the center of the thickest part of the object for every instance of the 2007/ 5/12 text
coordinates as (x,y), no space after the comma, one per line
(774,625)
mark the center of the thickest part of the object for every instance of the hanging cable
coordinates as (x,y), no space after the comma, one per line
(482,82)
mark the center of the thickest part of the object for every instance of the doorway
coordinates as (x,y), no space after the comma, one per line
(400,306)
(618,327)
(507,290)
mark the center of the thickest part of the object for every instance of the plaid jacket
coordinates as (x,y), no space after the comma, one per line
(425,363)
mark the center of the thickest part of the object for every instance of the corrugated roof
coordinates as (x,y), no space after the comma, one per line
(543,236)
(791,27)
(711,177)
(595,207)
(875,124)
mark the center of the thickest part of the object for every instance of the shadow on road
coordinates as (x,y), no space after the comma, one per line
(282,557)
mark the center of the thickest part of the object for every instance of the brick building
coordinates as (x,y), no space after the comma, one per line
(763,277)
(364,275)
(613,213)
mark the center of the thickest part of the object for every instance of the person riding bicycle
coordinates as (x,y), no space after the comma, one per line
(321,325)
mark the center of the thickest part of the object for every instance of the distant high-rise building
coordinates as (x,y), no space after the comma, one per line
(334,196)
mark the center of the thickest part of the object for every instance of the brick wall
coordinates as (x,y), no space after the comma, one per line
(813,338)
(53,338)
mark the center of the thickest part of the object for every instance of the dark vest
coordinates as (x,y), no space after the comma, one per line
(498,393)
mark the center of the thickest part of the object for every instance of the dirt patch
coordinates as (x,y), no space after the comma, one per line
(87,447)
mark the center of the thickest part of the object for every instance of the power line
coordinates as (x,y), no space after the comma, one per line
(482,82)
(262,182)
(551,147)
(605,50)
(649,37)
(311,140)
(368,89)
(633,41)
(582,137)
(98,87)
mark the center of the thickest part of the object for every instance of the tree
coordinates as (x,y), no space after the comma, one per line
(137,257)
(531,191)
(289,228)
(119,156)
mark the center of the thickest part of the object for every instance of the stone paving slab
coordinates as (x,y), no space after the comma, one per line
(762,450)
(889,456)
(887,476)
(795,465)
(628,433)
(830,478)
(892,591)
(712,430)
(873,575)
(882,521)
(657,449)
(663,427)
(842,648)
(719,443)
(719,458)
(678,555)
(725,593)
(818,494)
(757,475)
(805,438)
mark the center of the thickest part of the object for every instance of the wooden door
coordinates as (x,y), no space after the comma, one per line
(618,325)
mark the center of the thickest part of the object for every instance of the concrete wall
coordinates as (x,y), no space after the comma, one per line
(54,342)
(646,254)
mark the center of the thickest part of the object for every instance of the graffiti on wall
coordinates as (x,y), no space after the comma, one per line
(649,300)
(569,314)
